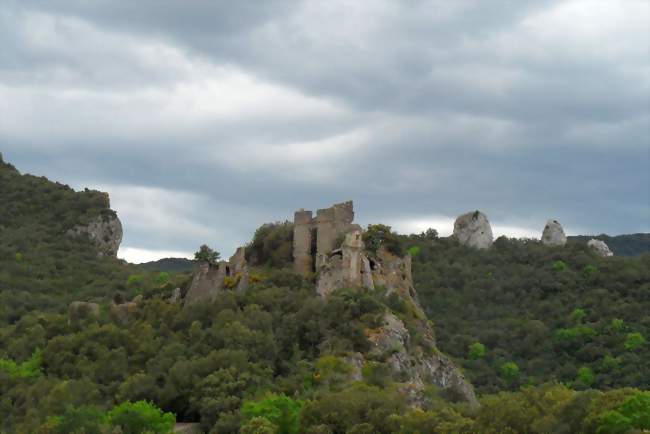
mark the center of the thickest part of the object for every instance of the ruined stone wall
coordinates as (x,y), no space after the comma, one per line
(327,226)
(302,257)
(211,279)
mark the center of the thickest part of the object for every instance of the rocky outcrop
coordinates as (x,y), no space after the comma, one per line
(210,279)
(351,266)
(176,296)
(420,367)
(473,230)
(553,234)
(600,247)
(79,310)
(105,231)
(124,313)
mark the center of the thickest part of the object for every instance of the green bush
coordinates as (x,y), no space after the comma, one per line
(560,266)
(141,417)
(585,377)
(476,351)
(634,341)
(282,411)
(633,415)
(510,370)
(379,235)
(81,420)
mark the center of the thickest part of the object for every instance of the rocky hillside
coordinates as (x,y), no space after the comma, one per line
(52,239)
(353,341)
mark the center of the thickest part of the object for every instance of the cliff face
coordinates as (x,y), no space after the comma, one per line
(105,231)
(418,363)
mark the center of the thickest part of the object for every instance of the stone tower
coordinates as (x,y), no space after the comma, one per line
(315,237)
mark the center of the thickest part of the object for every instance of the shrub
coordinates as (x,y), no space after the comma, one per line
(578,315)
(382,236)
(585,377)
(162,278)
(632,416)
(618,324)
(85,419)
(559,266)
(476,351)
(280,410)
(414,251)
(140,417)
(634,341)
(510,370)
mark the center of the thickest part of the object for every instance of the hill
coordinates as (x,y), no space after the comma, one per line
(280,357)
(172,265)
(620,245)
(556,313)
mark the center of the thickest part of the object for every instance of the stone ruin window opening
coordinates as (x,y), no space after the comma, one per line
(227,270)
(373,264)
(313,248)
(337,252)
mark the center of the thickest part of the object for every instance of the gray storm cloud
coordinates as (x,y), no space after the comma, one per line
(205,119)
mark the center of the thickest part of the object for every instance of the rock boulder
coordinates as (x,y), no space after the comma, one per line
(473,230)
(81,309)
(553,234)
(600,247)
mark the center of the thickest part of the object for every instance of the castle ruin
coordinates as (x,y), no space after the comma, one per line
(316,237)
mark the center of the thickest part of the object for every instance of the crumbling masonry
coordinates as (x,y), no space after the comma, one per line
(315,238)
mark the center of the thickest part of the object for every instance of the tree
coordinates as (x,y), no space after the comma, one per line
(85,419)
(476,351)
(140,417)
(280,410)
(510,370)
(382,236)
(258,425)
(633,415)
(206,254)
(634,341)
(578,315)
(585,376)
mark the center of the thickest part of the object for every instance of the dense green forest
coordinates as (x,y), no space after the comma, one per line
(554,339)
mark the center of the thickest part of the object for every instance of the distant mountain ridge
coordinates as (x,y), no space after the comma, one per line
(174,265)
(620,245)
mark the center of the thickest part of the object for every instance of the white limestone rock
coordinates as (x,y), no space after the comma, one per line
(105,232)
(600,247)
(553,234)
(473,230)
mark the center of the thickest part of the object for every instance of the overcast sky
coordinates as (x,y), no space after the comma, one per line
(205,119)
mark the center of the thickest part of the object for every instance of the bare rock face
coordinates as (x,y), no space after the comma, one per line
(82,309)
(352,266)
(176,296)
(123,313)
(420,367)
(473,230)
(206,284)
(553,234)
(600,247)
(105,232)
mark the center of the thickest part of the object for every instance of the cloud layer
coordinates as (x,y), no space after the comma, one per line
(205,119)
